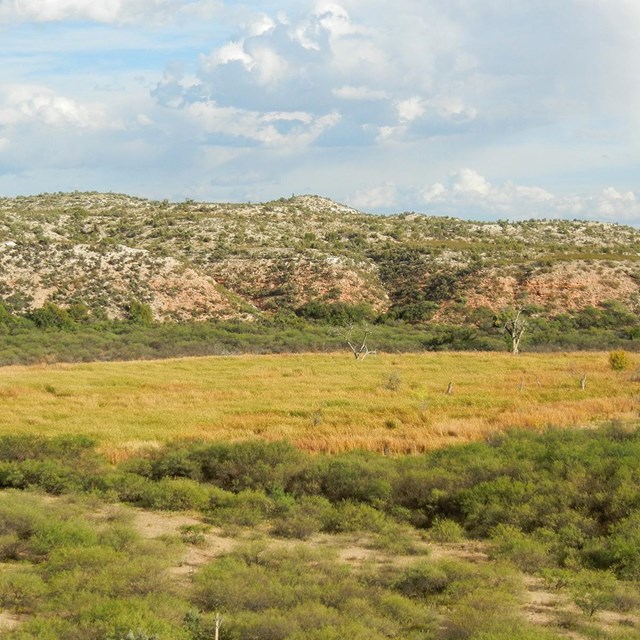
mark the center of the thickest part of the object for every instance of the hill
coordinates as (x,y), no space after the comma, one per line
(199,261)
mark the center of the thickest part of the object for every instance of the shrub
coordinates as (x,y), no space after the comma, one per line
(229,584)
(525,552)
(354,478)
(392,382)
(139,313)
(306,517)
(246,509)
(619,360)
(180,494)
(175,463)
(194,533)
(50,316)
(352,516)
(20,590)
(422,580)
(262,466)
(445,530)
(593,590)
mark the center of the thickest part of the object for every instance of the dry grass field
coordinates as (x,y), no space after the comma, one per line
(329,403)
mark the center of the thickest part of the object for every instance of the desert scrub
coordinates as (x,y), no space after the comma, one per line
(83,575)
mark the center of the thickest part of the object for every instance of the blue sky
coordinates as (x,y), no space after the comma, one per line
(474,108)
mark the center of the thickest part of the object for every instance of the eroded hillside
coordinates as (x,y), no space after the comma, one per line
(201,261)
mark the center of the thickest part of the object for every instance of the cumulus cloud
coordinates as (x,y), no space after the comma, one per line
(470,182)
(410,109)
(330,57)
(28,104)
(285,129)
(468,191)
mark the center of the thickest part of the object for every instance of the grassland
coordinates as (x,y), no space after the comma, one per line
(395,403)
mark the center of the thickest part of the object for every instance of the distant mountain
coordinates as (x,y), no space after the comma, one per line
(197,261)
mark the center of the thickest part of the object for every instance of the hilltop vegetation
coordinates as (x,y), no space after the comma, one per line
(122,277)
(198,260)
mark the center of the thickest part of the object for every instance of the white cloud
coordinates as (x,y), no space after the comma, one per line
(453,109)
(231,52)
(332,97)
(410,109)
(270,67)
(468,181)
(301,128)
(262,62)
(615,205)
(378,197)
(32,104)
(103,11)
(469,191)
(334,18)
(348,92)
(434,193)
(55,10)
(262,25)
(4,143)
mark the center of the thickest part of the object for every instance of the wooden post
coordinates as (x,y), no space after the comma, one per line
(450,388)
(218,623)
(583,382)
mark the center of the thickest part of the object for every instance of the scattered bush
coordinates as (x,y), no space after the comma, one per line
(446,530)
(619,360)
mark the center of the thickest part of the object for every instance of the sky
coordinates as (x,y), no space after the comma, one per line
(481,109)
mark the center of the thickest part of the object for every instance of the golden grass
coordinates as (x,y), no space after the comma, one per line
(318,402)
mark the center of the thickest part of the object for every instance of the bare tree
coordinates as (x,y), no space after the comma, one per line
(514,324)
(356,337)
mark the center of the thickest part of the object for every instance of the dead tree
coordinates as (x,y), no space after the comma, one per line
(514,324)
(356,337)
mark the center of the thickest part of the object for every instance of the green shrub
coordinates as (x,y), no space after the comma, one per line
(422,580)
(119,537)
(194,533)
(525,552)
(180,494)
(21,590)
(247,508)
(593,590)
(229,584)
(51,316)
(308,516)
(139,313)
(445,530)
(264,466)
(355,479)
(129,487)
(351,516)
(175,463)
(265,625)
(619,360)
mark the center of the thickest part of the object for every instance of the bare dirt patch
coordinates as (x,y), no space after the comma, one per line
(10,621)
